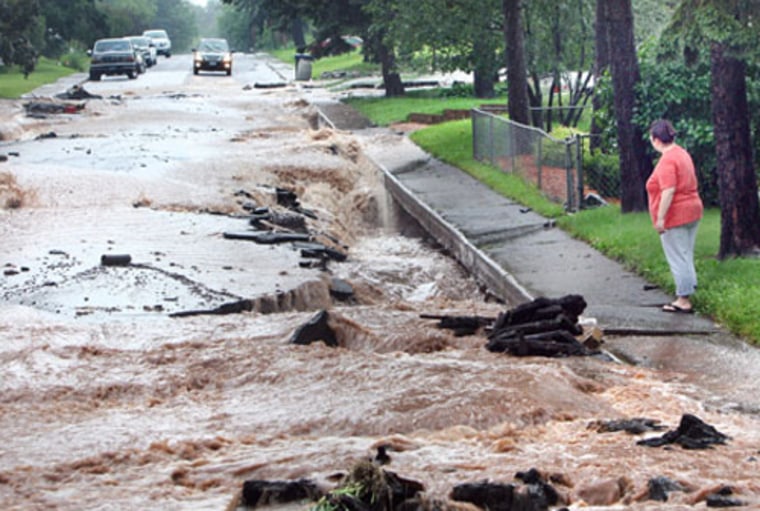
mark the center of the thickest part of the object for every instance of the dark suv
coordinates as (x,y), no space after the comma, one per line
(113,57)
(212,55)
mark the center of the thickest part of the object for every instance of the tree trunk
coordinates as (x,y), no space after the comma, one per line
(483,83)
(601,64)
(740,214)
(635,166)
(299,39)
(486,69)
(517,76)
(391,78)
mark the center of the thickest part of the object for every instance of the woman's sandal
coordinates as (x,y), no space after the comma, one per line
(671,307)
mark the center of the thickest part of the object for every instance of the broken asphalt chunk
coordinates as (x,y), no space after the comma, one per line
(268,238)
(461,325)
(315,330)
(659,487)
(543,327)
(635,426)
(341,290)
(115,260)
(258,492)
(692,433)
(235,307)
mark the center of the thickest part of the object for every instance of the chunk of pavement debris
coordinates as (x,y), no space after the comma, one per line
(115,259)
(315,330)
(257,492)
(659,487)
(692,433)
(341,290)
(635,426)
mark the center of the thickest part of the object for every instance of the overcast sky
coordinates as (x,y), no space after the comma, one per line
(199,2)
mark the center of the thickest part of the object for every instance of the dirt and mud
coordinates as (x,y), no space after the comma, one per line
(108,401)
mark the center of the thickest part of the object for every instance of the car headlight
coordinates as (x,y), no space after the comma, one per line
(227,58)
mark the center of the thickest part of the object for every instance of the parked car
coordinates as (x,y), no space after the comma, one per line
(145,46)
(212,55)
(161,41)
(113,57)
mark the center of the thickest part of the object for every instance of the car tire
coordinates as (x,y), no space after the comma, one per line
(131,75)
(168,55)
(229,72)
(195,71)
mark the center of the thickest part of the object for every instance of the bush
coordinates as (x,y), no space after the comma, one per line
(75,59)
(601,172)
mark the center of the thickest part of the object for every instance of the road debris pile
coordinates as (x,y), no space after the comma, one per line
(369,487)
(272,226)
(77,92)
(41,109)
(547,327)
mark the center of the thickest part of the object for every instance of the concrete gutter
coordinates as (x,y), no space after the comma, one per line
(498,281)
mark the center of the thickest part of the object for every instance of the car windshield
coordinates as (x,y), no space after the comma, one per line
(140,42)
(218,45)
(156,34)
(102,46)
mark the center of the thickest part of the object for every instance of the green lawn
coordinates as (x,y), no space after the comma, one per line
(350,62)
(13,84)
(384,112)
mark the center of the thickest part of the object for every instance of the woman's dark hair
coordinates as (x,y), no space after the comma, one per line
(663,131)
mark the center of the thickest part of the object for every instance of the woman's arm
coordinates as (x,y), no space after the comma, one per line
(666,199)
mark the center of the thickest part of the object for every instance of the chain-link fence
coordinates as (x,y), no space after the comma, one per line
(553,165)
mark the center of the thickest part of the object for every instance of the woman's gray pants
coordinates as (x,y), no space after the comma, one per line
(678,245)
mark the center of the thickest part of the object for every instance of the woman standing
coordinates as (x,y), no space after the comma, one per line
(676,209)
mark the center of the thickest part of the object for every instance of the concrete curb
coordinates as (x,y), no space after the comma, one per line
(499,282)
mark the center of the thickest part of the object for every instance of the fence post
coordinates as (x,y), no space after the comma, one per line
(474,122)
(512,143)
(569,173)
(579,167)
(540,161)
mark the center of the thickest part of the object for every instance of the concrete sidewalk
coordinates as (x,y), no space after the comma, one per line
(519,255)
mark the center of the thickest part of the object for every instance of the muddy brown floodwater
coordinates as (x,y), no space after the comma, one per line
(109,402)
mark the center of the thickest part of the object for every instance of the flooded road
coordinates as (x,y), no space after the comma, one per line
(108,400)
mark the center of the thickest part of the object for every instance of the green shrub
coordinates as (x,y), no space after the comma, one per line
(75,59)
(601,172)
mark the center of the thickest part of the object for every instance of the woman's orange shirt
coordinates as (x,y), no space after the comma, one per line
(675,170)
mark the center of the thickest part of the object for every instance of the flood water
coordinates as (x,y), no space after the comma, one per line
(109,402)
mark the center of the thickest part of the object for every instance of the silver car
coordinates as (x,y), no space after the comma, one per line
(144,45)
(161,40)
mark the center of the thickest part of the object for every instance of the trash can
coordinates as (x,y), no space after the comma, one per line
(303,66)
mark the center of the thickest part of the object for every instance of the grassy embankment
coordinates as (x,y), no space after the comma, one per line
(729,291)
(13,84)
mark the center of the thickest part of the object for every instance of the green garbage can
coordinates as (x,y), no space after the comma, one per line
(303,66)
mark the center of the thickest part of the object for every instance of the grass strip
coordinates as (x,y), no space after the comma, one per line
(13,84)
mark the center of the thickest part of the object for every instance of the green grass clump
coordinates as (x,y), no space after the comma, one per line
(384,111)
(452,142)
(13,84)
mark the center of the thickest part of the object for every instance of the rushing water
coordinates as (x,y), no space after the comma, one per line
(106,402)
